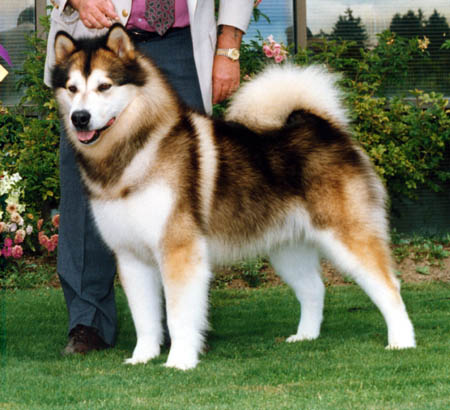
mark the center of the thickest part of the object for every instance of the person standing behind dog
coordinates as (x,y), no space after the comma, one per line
(183,44)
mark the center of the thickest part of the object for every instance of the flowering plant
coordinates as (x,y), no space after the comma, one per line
(21,232)
(272,49)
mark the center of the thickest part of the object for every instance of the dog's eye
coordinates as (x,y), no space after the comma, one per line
(104,87)
(72,89)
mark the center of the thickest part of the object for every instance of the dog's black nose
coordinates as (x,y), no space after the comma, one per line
(81,118)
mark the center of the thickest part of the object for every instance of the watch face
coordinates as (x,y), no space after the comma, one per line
(234,54)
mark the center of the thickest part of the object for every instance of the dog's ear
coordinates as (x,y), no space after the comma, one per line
(120,43)
(64,46)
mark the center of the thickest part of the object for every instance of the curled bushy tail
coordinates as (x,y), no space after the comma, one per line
(266,102)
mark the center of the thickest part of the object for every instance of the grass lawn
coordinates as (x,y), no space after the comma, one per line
(248,366)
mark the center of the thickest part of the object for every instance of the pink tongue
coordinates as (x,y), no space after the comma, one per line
(85,135)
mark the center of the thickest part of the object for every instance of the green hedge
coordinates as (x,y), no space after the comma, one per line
(406,136)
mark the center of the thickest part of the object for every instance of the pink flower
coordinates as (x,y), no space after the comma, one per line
(52,243)
(43,239)
(17,252)
(39,224)
(6,252)
(48,243)
(275,50)
(20,236)
(267,51)
(8,242)
(55,221)
(54,239)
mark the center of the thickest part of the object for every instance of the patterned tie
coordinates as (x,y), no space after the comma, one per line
(160,14)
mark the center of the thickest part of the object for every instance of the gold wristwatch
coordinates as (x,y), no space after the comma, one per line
(231,53)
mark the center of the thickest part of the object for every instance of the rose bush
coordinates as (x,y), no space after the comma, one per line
(22,234)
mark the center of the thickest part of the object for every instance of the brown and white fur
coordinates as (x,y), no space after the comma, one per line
(174,192)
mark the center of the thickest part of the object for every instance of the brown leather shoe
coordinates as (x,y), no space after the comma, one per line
(83,339)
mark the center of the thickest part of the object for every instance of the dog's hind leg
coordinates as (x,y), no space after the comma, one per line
(298,265)
(142,285)
(186,277)
(364,255)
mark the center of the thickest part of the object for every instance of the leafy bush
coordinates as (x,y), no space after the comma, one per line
(29,134)
(408,136)
(406,142)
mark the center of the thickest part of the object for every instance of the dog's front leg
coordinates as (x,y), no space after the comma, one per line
(186,277)
(142,285)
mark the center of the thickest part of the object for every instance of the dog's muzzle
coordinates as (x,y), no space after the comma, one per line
(80,120)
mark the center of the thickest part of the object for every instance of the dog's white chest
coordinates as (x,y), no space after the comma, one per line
(136,222)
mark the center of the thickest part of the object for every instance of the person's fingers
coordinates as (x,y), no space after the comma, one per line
(226,76)
(97,13)
(223,90)
(102,20)
(110,11)
(218,94)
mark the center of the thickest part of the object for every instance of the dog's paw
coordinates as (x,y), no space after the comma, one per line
(299,337)
(401,346)
(185,365)
(143,352)
(182,359)
(132,360)
(402,337)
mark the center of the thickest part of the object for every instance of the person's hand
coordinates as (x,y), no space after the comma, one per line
(226,77)
(95,13)
(226,72)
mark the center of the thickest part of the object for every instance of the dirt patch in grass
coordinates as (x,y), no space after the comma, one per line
(408,271)
(410,266)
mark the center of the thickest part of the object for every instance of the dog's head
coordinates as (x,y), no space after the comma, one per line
(94,80)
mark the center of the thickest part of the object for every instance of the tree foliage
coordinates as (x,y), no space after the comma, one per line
(349,28)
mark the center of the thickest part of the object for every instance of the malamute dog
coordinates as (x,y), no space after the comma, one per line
(174,192)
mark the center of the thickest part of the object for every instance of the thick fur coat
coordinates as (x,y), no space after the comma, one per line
(175,192)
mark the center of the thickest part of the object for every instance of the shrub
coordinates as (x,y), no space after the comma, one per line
(406,136)
(406,142)
(29,134)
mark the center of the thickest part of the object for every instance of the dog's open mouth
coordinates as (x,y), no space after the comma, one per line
(88,137)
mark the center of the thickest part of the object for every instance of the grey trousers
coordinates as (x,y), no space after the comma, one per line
(86,267)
